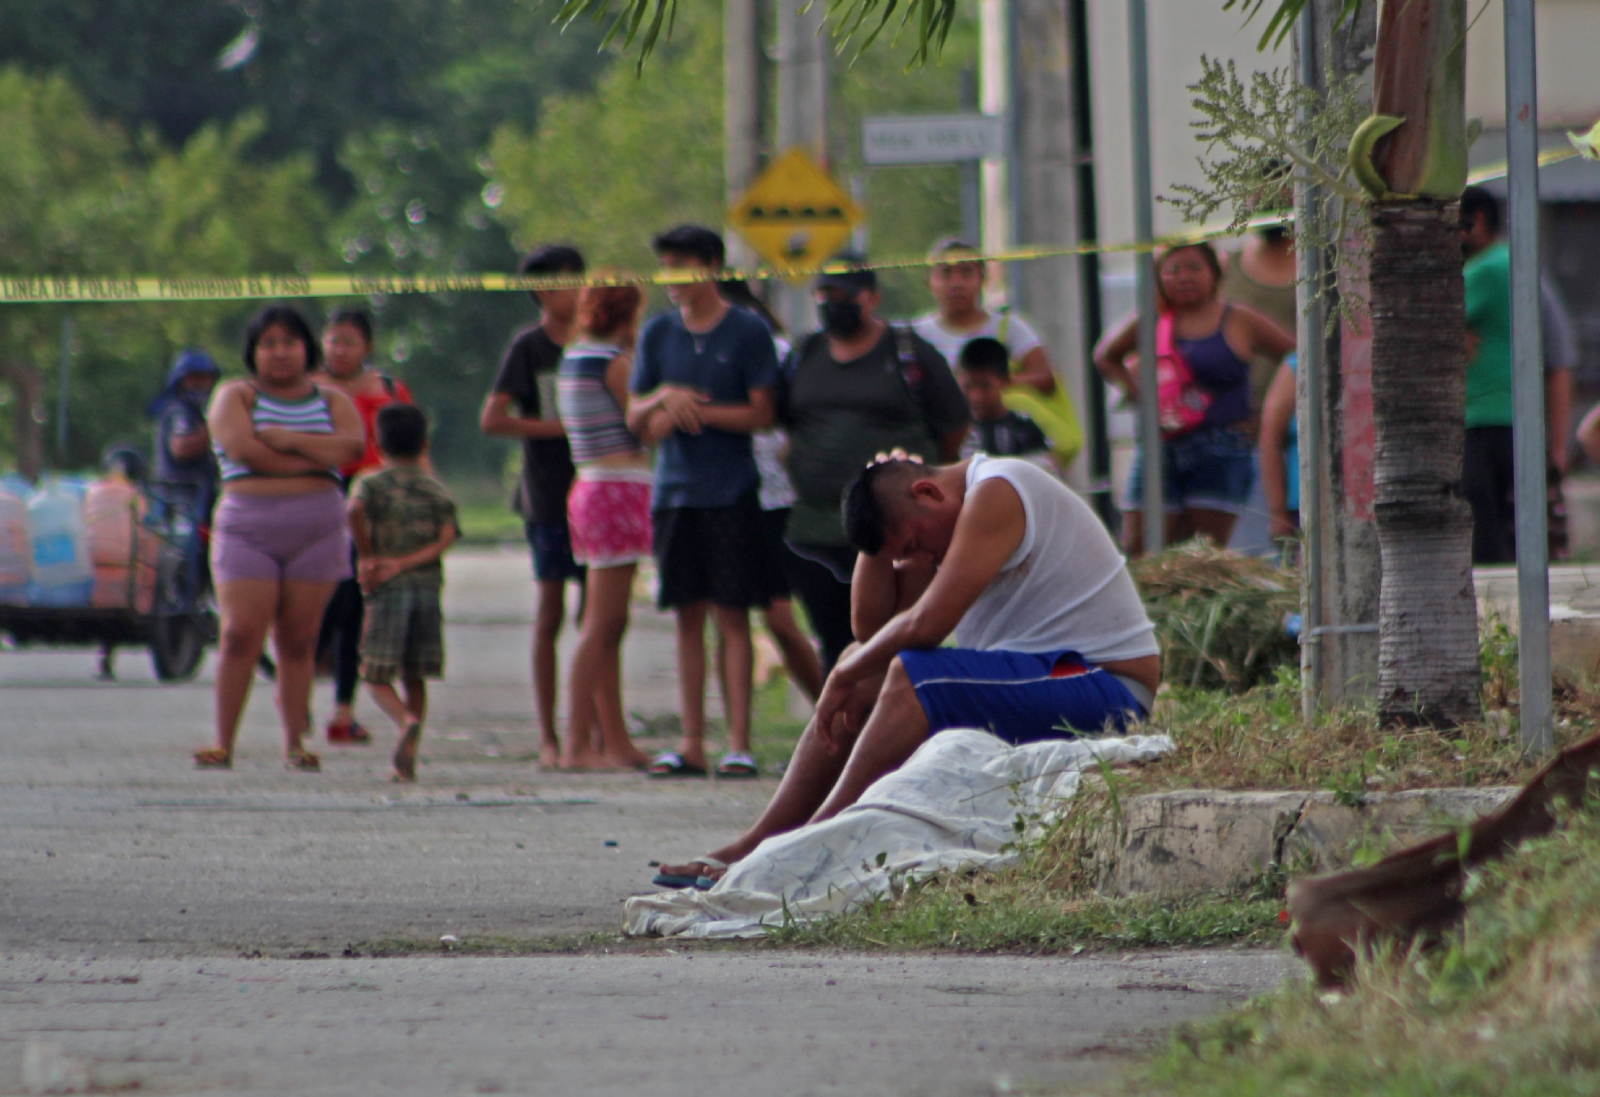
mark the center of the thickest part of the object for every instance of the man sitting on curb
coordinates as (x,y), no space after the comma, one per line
(1052,638)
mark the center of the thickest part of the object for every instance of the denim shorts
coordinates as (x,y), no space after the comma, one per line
(1020,697)
(1212,468)
(552,552)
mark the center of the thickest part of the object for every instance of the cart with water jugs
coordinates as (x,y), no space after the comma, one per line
(169,606)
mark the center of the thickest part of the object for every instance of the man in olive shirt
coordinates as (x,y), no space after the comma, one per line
(855,389)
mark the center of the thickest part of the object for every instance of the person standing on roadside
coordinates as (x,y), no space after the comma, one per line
(777,496)
(956,281)
(346,366)
(856,388)
(1207,465)
(280,543)
(702,385)
(1487,467)
(183,443)
(527,378)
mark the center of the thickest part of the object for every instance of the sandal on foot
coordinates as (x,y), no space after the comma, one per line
(213,758)
(737,764)
(405,755)
(306,761)
(683,880)
(351,733)
(672,764)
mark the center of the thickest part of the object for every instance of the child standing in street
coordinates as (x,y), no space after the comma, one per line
(983,369)
(402,521)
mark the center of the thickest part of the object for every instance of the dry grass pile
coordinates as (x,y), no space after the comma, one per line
(1220,616)
(1508,1005)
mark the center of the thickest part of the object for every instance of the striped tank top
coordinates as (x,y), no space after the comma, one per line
(308,416)
(595,423)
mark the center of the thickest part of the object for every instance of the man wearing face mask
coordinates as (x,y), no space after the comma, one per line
(857,388)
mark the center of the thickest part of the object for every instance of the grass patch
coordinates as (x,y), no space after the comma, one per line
(1258,740)
(1508,1005)
(1005,915)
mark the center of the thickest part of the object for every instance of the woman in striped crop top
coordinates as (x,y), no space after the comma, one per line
(608,513)
(279,541)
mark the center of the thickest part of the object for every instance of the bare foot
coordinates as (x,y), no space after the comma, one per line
(692,869)
(405,755)
(549,755)
(584,761)
(633,759)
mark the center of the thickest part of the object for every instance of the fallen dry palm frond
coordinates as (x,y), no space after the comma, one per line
(1509,1004)
(1221,617)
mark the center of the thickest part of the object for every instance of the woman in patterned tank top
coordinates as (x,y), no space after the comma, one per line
(279,542)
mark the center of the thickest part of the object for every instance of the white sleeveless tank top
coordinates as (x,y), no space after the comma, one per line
(1065,588)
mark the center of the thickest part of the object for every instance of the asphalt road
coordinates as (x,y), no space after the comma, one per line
(150,914)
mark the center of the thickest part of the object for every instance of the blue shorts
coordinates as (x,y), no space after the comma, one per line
(1018,696)
(552,552)
(1212,468)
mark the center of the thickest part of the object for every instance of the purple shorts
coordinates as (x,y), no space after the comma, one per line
(304,538)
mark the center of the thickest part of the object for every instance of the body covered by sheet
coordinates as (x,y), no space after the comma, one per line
(950,807)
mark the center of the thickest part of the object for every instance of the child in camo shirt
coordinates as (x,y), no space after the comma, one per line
(402,520)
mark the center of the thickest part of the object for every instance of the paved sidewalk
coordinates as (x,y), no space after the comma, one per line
(133,888)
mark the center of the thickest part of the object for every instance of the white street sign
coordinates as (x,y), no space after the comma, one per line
(931,139)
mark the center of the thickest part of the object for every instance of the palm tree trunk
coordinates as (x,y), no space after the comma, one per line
(1428,668)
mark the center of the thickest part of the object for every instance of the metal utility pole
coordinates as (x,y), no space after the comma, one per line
(1309,391)
(741,110)
(1145,278)
(802,119)
(1527,380)
(1093,408)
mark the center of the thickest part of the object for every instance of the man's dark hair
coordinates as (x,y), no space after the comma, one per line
(1476,200)
(402,430)
(866,517)
(280,316)
(694,241)
(551,259)
(985,355)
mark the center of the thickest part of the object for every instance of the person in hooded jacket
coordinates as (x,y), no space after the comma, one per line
(183,443)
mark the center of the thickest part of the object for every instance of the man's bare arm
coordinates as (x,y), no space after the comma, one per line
(991,527)
(497,421)
(741,418)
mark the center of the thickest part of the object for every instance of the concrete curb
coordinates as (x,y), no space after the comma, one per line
(1199,840)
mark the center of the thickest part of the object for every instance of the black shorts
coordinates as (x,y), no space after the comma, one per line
(776,521)
(716,554)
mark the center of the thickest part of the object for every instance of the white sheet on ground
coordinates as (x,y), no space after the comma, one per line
(949,808)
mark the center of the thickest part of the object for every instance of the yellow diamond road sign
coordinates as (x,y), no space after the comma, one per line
(795,216)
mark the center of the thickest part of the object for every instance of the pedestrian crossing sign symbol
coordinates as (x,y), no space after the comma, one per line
(795,216)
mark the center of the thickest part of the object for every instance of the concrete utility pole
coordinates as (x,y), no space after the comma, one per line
(1044,186)
(803,47)
(1341,641)
(741,110)
(994,97)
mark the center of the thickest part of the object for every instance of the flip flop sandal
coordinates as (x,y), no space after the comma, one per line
(213,758)
(305,761)
(351,733)
(699,883)
(672,764)
(738,765)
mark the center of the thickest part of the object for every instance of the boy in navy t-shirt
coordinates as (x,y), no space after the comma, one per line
(983,370)
(702,381)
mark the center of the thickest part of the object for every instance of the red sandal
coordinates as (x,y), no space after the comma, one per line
(351,734)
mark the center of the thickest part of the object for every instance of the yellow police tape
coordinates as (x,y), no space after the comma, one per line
(22,289)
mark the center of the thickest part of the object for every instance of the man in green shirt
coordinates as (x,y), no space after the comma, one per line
(1488,467)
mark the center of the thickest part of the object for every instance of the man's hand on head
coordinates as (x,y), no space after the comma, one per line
(896,454)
